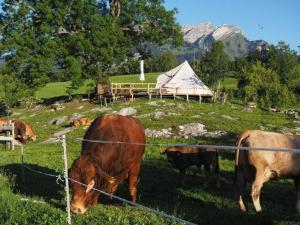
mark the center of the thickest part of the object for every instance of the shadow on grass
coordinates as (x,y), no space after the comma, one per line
(34,183)
(161,188)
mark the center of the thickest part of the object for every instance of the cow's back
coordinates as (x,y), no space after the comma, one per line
(115,157)
(284,164)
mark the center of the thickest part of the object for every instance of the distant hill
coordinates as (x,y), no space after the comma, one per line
(199,38)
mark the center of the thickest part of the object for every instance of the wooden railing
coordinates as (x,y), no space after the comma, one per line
(9,135)
(131,88)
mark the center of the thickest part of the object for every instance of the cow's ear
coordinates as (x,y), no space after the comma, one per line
(164,152)
(90,186)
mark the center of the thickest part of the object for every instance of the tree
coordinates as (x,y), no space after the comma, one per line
(78,39)
(161,63)
(262,85)
(11,90)
(214,65)
(283,60)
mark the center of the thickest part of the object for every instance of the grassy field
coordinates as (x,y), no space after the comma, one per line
(59,88)
(40,200)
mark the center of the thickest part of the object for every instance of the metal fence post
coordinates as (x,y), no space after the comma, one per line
(66,178)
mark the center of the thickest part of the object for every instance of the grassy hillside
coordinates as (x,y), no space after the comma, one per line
(40,200)
(59,88)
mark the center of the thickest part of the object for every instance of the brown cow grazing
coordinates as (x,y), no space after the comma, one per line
(104,165)
(181,157)
(23,131)
(83,121)
(257,167)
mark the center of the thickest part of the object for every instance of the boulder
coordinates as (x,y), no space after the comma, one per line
(58,120)
(127,111)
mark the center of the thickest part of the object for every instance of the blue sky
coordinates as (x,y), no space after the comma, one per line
(270,20)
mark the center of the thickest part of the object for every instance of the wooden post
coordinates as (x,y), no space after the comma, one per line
(160,93)
(200,99)
(66,178)
(187,98)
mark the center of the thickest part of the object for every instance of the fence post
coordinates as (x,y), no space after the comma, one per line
(66,178)
(22,159)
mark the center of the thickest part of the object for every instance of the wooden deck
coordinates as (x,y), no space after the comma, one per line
(132,90)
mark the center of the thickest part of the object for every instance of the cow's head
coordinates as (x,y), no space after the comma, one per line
(173,155)
(30,133)
(75,123)
(83,171)
(86,171)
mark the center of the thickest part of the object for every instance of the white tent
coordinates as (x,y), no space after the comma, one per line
(182,80)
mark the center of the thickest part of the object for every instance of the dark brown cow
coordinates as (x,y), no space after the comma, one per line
(105,165)
(257,167)
(181,157)
(23,131)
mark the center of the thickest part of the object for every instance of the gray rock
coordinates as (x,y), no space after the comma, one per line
(76,116)
(251,105)
(247,109)
(152,103)
(127,111)
(100,110)
(193,129)
(64,131)
(229,117)
(58,120)
(159,133)
(57,106)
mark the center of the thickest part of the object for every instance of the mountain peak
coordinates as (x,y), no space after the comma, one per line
(193,32)
(225,31)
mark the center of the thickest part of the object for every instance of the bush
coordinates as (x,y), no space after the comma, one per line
(263,86)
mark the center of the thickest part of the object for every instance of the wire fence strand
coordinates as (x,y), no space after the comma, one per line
(226,147)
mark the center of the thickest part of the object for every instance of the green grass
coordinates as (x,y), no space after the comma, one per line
(159,185)
(230,83)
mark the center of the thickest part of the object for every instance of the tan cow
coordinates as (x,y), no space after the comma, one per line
(84,121)
(259,166)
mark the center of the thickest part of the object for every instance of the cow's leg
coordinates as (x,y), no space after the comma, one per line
(297,184)
(133,179)
(95,199)
(207,172)
(262,176)
(240,185)
(216,175)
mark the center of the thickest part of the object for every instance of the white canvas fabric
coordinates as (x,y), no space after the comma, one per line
(182,80)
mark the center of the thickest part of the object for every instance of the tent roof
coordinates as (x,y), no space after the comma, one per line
(182,78)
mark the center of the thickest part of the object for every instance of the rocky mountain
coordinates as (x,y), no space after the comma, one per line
(199,38)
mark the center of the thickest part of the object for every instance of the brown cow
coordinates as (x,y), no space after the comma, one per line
(23,131)
(105,165)
(181,157)
(257,167)
(84,121)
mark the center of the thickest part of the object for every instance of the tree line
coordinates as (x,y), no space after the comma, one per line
(47,41)
(269,76)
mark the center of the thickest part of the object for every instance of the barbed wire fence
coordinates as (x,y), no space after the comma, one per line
(65,179)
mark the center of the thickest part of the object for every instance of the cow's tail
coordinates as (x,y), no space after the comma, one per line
(245,134)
